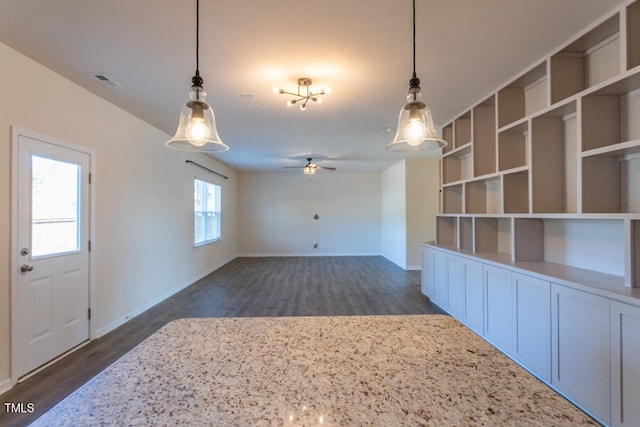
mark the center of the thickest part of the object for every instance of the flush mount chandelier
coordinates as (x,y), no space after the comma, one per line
(305,93)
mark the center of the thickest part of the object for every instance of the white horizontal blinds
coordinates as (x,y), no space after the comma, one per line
(206,224)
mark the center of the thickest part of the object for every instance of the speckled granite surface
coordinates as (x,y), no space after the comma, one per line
(334,371)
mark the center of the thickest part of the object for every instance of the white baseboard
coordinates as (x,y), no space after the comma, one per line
(414,267)
(141,309)
(270,254)
(5,385)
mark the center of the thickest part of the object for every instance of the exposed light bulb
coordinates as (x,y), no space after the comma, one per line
(197,132)
(415,132)
(276,90)
(291,102)
(303,106)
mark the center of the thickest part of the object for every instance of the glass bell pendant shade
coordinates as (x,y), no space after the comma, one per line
(416,131)
(197,126)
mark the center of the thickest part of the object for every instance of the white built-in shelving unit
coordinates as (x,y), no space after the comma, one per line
(553,158)
(538,236)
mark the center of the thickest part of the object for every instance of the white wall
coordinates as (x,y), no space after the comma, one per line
(276,209)
(394,213)
(423,204)
(144,196)
(410,203)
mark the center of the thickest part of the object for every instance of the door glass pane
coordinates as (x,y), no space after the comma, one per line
(55,199)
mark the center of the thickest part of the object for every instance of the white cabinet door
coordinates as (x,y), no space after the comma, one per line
(440,279)
(473,315)
(625,365)
(428,272)
(533,324)
(580,349)
(499,314)
(455,286)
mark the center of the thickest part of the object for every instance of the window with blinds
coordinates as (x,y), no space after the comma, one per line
(206,212)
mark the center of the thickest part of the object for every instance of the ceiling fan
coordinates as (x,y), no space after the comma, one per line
(310,168)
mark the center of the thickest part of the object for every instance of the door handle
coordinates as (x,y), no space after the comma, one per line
(26,267)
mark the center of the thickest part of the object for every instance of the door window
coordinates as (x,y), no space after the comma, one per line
(55,201)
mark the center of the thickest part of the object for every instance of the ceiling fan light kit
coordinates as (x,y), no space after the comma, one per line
(310,168)
(305,93)
(415,131)
(197,124)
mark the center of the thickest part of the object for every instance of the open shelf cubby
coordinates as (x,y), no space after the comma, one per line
(452,199)
(589,60)
(466,233)
(524,96)
(484,137)
(635,254)
(493,235)
(633,35)
(447,230)
(447,135)
(483,196)
(611,148)
(516,192)
(610,183)
(591,244)
(528,241)
(457,165)
(462,130)
(610,114)
(554,154)
(512,147)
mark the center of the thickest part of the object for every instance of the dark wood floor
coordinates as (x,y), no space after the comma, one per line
(291,286)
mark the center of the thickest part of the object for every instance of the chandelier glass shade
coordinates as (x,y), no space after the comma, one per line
(197,124)
(415,131)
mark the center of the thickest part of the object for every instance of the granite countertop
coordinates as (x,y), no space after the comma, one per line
(305,371)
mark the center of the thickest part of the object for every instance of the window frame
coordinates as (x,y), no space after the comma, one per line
(217,212)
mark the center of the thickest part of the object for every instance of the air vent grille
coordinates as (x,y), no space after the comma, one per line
(107,80)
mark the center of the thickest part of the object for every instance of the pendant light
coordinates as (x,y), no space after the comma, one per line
(197,125)
(415,131)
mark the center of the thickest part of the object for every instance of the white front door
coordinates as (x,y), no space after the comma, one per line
(51,300)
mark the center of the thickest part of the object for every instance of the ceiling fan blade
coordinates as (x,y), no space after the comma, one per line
(310,165)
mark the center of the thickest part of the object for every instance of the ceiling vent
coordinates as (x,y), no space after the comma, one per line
(107,80)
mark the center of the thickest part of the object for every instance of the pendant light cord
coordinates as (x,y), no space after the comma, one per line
(198,36)
(197,80)
(414,39)
(414,83)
